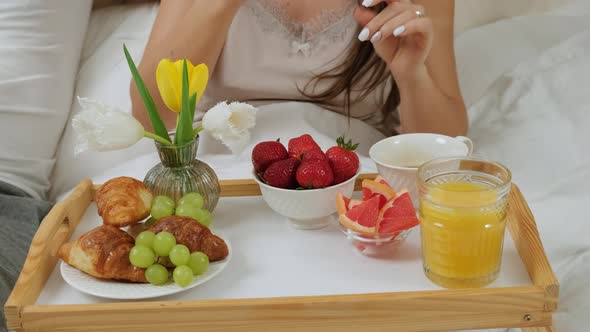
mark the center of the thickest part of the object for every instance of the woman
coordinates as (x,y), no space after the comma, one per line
(399,75)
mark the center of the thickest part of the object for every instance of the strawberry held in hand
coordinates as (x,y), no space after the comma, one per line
(343,160)
(266,153)
(302,144)
(281,174)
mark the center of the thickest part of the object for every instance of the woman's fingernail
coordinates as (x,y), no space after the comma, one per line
(399,30)
(376,37)
(367,3)
(364,35)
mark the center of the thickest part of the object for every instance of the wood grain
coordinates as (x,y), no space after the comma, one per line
(408,311)
(239,188)
(55,229)
(538,329)
(249,187)
(527,307)
(524,232)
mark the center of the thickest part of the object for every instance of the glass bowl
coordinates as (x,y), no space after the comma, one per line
(375,245)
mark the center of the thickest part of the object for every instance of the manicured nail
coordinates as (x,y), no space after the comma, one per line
(399,30)
(364,35)
(376,37)
(367,3)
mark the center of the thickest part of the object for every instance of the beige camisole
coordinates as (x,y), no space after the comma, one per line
(267,57)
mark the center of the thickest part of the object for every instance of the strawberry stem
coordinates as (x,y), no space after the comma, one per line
(346,145)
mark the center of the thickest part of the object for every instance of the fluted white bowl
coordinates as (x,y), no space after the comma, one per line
(306,209)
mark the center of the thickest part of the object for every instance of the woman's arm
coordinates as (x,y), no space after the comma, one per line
(422,60)
(193,29)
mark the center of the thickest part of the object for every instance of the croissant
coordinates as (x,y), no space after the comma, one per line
(123,201)
(103,253)
(192,234)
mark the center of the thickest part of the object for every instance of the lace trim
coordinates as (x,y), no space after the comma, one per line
(328,27)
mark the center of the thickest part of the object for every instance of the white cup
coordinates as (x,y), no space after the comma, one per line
(399,157)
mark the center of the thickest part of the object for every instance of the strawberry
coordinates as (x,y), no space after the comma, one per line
(343,160)
(315,175)
(281,174)
(266,153)
(301,144)
(314,155)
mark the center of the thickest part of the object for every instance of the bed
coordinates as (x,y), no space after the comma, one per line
(526,81)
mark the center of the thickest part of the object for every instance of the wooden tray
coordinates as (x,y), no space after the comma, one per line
(527,307)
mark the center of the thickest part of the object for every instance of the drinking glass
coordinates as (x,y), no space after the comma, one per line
(463,208)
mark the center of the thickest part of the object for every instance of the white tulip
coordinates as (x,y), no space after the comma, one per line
(101,128)
(231,124)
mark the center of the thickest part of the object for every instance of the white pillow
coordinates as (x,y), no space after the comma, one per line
(39,55)
(470,14)
(104,75)
(487,52)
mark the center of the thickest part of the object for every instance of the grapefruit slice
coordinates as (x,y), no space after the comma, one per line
(363,217)
(354,202)
(342,203)
(397,215)
(375,189)
(381,180)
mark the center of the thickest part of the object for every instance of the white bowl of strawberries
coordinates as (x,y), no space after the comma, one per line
(301,182)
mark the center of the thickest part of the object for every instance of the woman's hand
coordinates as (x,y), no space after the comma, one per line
(401,34)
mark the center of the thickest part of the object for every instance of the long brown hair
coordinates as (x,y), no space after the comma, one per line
(361,70)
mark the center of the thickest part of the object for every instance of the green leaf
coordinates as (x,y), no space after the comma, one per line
(346,145)
(148,102)
(184,131)
(193,105)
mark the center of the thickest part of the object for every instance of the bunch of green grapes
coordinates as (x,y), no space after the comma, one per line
(149,246)
(190,205)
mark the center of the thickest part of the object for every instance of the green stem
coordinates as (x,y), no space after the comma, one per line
(156,137)
(176,132)
(198,130)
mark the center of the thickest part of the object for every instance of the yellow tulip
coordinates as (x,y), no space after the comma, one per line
(169,79)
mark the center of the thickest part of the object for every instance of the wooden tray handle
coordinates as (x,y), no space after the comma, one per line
(249,187)
(524,232)
(57,227)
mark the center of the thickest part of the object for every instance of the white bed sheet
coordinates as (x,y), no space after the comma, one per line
(536,119)
(528,88)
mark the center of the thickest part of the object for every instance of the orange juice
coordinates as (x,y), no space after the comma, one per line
(462,228)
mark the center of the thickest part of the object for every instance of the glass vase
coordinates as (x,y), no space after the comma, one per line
(179,173)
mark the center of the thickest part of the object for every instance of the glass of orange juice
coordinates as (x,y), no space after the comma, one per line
(463,207)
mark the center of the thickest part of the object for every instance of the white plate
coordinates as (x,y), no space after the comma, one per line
(131,291)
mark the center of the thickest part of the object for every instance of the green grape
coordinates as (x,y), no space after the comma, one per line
(194,199)
(180,255)
(187,211)
(149,222)
(145,238)
(200,215)
(141,256)
(182,275)
(204,217)
(156,274)
(162,206)
(199,263)
(163,243)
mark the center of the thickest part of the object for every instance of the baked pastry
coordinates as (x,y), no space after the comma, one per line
(123,201)
(195,236)
(103,253)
